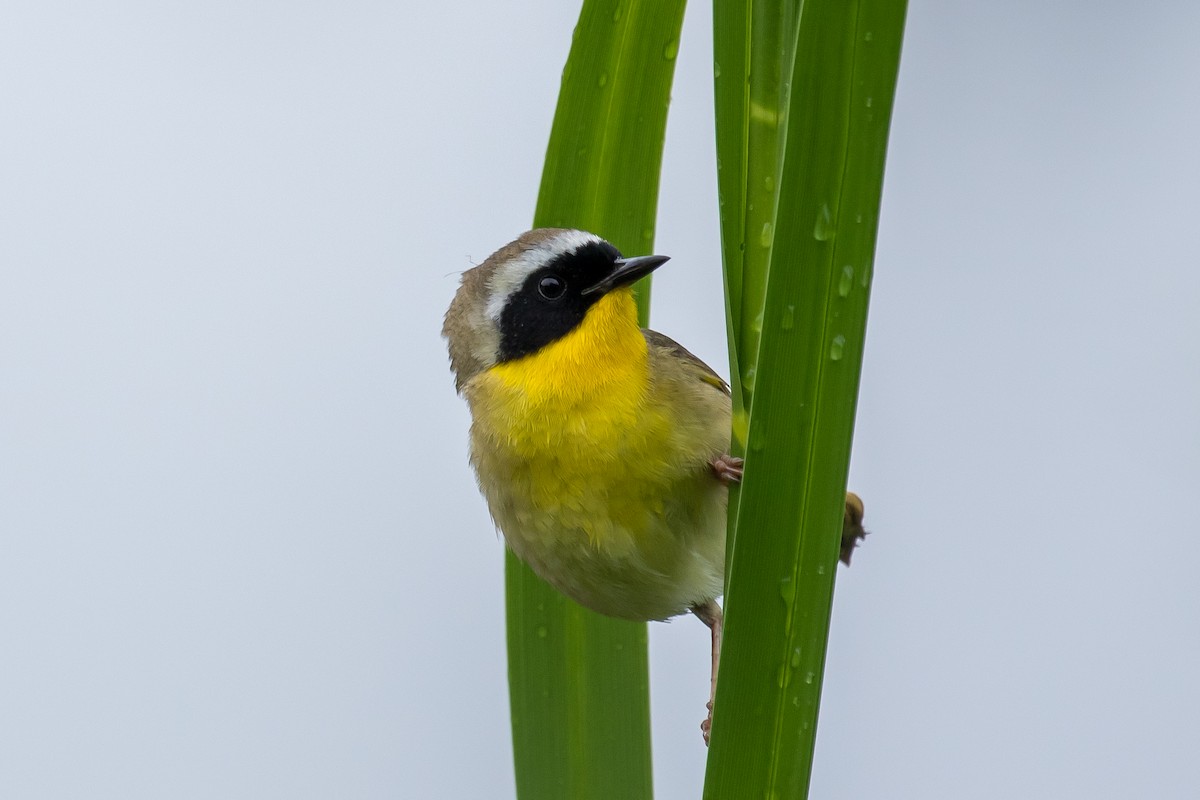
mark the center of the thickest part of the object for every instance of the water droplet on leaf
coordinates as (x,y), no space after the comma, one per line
(823,228)
(846,281)
(835,349)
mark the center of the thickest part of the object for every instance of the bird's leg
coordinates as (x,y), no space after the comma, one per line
(727,468)
(710,614)
(852,527)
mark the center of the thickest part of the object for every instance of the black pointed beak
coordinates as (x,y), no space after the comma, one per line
(626,271)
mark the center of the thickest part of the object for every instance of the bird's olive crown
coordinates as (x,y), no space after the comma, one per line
(524,296)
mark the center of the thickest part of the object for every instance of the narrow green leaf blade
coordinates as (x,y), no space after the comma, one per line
(757,42)
(801,424)
(579,694)
(605,154)
(578,682)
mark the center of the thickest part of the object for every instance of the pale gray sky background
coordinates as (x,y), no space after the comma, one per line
(241,552)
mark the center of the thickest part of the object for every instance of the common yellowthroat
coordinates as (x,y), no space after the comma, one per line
(602,449)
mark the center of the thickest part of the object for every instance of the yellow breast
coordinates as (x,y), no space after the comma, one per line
(568,433)
(597,483)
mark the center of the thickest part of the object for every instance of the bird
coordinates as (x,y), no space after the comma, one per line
(601,448)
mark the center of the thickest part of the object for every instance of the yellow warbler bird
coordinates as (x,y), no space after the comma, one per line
(602,449)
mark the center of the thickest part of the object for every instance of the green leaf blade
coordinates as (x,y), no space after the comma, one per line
(566,665)
(578,682)
(788,521)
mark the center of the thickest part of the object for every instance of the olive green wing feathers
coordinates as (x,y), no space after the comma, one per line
(703,371)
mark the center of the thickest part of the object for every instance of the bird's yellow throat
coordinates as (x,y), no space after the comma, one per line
(606,353)
(591,381)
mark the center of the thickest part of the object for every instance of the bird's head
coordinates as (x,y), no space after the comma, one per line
(532,292)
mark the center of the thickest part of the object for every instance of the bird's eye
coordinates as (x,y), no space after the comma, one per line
(552,287)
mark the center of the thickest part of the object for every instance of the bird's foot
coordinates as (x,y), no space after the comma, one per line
(706,726)
(728,469)
(852,527)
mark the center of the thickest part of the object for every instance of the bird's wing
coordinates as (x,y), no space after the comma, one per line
(703,371)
